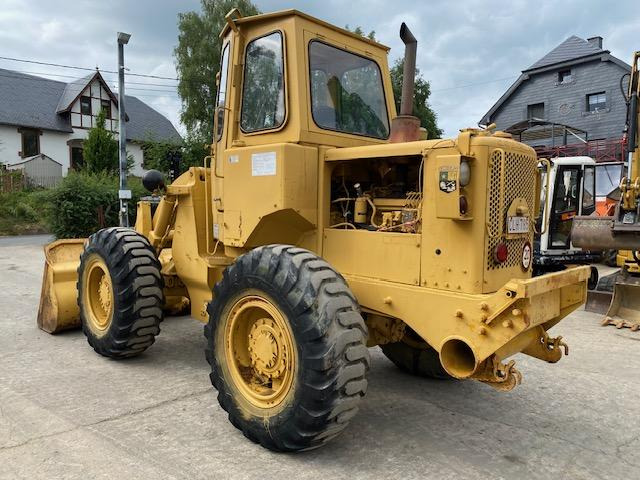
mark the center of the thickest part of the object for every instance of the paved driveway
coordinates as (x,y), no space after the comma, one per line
(65,412)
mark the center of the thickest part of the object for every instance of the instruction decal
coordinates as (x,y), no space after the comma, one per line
(263,164)
(448,178)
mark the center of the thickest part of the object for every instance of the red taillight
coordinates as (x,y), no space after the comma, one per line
(501,253)
(464,205)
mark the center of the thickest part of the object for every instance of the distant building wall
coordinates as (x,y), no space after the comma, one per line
(55,146)
(567,103)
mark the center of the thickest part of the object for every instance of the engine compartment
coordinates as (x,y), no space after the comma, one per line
(378,195)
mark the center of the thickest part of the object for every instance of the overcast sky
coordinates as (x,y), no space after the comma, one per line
(470,51)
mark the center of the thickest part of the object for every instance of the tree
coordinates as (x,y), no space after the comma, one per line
(198,61)
(100,149)
(158,153)
(421,93)
(358,30)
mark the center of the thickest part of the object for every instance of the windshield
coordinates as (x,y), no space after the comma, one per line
(346,92)
(607,178)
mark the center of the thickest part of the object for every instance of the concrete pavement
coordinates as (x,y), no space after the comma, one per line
(66,412)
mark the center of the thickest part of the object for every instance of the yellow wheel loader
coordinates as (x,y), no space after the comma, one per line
(622,230)
(321,224)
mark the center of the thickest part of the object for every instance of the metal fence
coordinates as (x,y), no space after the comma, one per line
(610,150)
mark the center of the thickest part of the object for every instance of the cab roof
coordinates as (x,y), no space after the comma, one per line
(297,13)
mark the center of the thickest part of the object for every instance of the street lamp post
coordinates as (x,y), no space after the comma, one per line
(123,194)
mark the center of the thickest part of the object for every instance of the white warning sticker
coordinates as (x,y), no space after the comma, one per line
(263,164)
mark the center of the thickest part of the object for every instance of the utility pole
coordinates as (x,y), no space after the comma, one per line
(123,194)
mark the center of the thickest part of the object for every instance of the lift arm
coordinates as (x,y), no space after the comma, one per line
(622,230)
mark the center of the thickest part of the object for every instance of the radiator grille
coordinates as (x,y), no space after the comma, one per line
(520,172)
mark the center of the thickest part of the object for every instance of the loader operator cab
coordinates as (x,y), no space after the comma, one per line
(572,190)
(286,77)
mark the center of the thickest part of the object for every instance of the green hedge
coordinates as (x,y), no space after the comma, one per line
(83,203)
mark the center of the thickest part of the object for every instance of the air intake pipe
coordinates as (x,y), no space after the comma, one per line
(405,127)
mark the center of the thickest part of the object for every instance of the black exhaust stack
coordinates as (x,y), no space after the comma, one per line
(405,127)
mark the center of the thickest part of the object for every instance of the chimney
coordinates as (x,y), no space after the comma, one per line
(596,42)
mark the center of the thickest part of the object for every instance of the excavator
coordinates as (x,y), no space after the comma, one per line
(621,231)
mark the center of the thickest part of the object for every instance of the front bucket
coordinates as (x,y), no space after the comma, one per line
(625,306)
(58,300)
(598,301)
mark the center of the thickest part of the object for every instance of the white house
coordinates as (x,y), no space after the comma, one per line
(42,116)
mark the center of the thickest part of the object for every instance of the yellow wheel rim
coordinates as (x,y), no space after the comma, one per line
(259,350)
(98,294)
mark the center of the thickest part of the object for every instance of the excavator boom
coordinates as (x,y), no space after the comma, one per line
(622,230)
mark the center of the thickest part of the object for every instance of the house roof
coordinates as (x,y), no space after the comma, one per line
(30,101)
(72,91)
(30,159)
(36,102)
(574,50)
(573,47)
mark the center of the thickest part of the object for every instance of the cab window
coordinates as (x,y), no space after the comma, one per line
(263,105)
(346,92)
(589,191)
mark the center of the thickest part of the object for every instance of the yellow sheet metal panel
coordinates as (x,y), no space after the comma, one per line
(387,256)
(260,183)
(449,188)
(452,248)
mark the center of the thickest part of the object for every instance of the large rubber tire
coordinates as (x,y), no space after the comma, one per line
(329,338)
(136,292)
(413,355)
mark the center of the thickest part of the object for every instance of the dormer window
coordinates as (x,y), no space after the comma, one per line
(564,76)
(85,105)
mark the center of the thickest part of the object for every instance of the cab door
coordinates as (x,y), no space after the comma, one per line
(220,139)
(588,202)
(565,206)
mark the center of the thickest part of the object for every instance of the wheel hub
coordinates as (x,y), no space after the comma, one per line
(260,351)
(104,293)
(97,294)
(266,348)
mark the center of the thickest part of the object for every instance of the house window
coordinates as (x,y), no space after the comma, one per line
(85,105)
(535,111)
(77,158)
(564,76)
(30,142)
(596,102)
(106,108)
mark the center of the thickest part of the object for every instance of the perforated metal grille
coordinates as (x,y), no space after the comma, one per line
(519,181)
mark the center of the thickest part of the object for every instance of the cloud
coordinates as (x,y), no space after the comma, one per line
(470,50)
